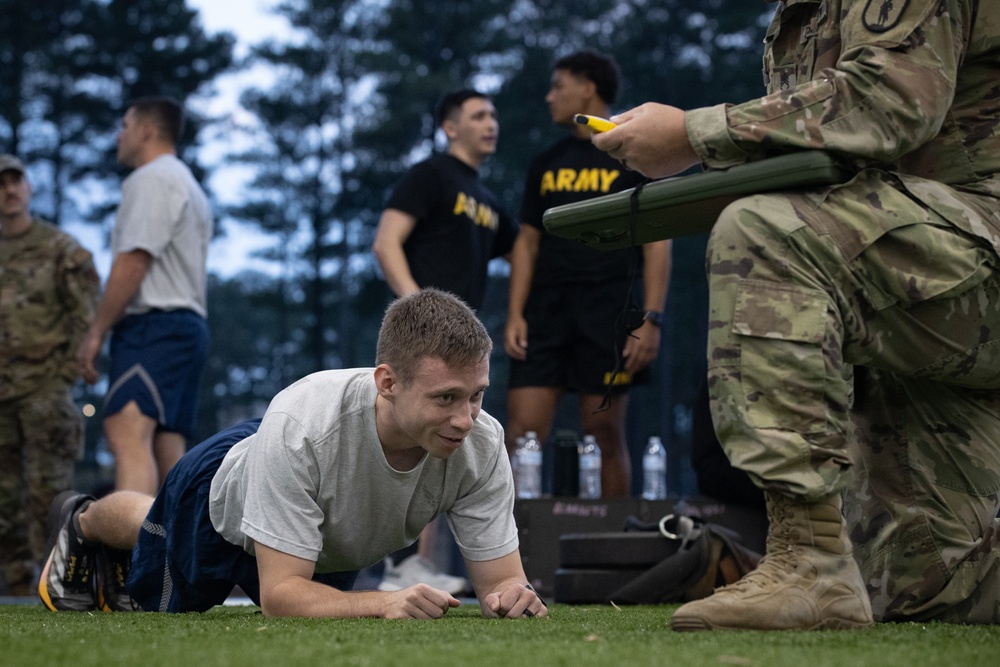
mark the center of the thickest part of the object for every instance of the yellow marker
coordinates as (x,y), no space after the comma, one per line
(595,123)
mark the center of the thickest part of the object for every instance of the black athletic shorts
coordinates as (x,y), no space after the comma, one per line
(574,334)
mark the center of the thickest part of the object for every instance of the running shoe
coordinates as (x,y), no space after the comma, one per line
(418,570)
(68,582)
(113,566)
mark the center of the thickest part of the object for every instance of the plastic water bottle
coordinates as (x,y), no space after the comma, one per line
(529,467)
(515,464)
(654,470)
(590,468)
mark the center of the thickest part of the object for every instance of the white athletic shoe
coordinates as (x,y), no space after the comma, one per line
(418,570)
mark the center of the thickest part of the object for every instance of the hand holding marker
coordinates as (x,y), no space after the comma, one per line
(595,123)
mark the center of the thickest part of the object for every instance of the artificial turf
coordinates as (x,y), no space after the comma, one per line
(573,636)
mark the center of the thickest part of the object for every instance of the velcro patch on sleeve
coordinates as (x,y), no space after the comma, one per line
(883,15)
(887,22)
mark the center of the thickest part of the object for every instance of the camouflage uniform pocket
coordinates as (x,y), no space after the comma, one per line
(901,251)
(920,262)
(790,45)
(781,330)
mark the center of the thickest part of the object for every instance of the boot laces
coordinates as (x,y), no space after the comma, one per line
(780,557)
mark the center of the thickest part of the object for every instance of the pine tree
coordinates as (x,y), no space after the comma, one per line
(74,67)
(302,154)
(150,47)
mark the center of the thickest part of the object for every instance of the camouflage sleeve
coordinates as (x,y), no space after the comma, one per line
(888,92)
(79,287)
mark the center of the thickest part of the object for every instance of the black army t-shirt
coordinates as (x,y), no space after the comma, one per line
(460,226)
(573,170)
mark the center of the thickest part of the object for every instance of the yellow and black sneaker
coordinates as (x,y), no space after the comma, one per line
(113,566)
(68,582)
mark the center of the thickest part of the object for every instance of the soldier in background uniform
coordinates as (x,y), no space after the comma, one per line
(48,291)
(566,300)
(854,331)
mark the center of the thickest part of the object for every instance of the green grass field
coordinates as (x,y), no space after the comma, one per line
(571,637)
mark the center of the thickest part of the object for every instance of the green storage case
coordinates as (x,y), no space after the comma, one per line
(688,204)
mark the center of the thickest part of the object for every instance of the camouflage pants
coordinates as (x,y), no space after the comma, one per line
(808,290)
(40,439)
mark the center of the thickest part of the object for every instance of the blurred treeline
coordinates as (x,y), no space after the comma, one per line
(327,119)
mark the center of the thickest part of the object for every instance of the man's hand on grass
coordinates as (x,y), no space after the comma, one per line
(419,601)
(516,601)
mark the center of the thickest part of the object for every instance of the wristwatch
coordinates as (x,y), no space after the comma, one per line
(654,317)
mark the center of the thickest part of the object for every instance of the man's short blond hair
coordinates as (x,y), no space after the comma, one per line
(430,323)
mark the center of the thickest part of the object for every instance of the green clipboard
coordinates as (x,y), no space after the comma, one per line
(688,204)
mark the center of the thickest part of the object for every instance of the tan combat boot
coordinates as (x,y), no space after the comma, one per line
(807,580)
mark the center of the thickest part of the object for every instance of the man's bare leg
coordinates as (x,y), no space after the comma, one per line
(168,448)
(130,438)
(608,428)
(115,519)
(530,409)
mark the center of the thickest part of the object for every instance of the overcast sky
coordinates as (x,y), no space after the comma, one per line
(249,20)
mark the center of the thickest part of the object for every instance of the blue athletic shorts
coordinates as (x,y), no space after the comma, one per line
(156,361)
(180,563)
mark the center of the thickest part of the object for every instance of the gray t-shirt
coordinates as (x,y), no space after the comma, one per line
(313,482)
(165,212)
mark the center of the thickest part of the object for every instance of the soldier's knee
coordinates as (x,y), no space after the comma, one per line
(754,222)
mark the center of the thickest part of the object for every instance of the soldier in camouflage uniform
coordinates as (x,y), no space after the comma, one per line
(854,342)
(48,291)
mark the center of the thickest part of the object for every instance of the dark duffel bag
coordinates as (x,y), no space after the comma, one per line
(708,556)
